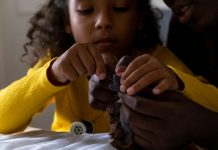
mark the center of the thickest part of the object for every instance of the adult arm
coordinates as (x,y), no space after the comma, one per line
(170,121)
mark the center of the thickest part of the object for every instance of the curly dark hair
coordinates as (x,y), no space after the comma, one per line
(47,31)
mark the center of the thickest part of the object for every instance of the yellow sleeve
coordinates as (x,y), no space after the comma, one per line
(25,97)
(195,87)
(203,93)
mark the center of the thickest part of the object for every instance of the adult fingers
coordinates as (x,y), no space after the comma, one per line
(140,135)
(146,106)
(144,142)
(139,121)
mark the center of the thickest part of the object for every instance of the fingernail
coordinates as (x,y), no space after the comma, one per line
(123,88)
(130,91)
(119,74)
(120,70)
(156,91)
(102,76)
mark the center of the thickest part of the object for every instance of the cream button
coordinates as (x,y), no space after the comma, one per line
(78,128)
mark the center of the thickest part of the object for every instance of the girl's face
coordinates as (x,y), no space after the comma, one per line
(199,14)
(110,25)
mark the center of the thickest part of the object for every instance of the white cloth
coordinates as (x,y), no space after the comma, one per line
(48,140)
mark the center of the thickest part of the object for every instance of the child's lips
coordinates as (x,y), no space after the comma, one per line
(105,43)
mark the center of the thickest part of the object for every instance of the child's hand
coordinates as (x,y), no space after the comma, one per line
(143,71)
(80,59)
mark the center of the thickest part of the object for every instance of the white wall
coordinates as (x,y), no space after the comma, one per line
(1,63)
(164,21)
(14,25)
(1,53)
(14,17)
(13,36)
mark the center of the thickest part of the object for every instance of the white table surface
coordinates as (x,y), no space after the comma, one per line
(49,140)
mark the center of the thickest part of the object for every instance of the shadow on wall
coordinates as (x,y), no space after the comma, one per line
(1,56)
(164,20)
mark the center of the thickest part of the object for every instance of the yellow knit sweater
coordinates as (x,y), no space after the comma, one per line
(21,100)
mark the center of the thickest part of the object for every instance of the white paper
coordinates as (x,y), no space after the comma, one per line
(48,140)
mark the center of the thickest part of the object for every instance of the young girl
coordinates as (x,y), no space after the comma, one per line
(70,39)
(73,39)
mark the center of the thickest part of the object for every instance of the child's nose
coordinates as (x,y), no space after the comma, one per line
(103,21)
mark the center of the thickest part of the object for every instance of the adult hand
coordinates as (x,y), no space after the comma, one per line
(169,121)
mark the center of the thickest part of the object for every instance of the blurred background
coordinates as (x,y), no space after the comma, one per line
(14,23)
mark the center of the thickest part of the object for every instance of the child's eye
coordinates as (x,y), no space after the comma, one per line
(85,11)
(121,9)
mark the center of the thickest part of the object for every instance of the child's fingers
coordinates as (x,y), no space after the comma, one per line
(122,65)
(99,62)
(166,84)
(142,83)
(69,72)
(136,63)
(80,59)
(162,86)
(79,67)
(140,72)
(86,59)
(163,83)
